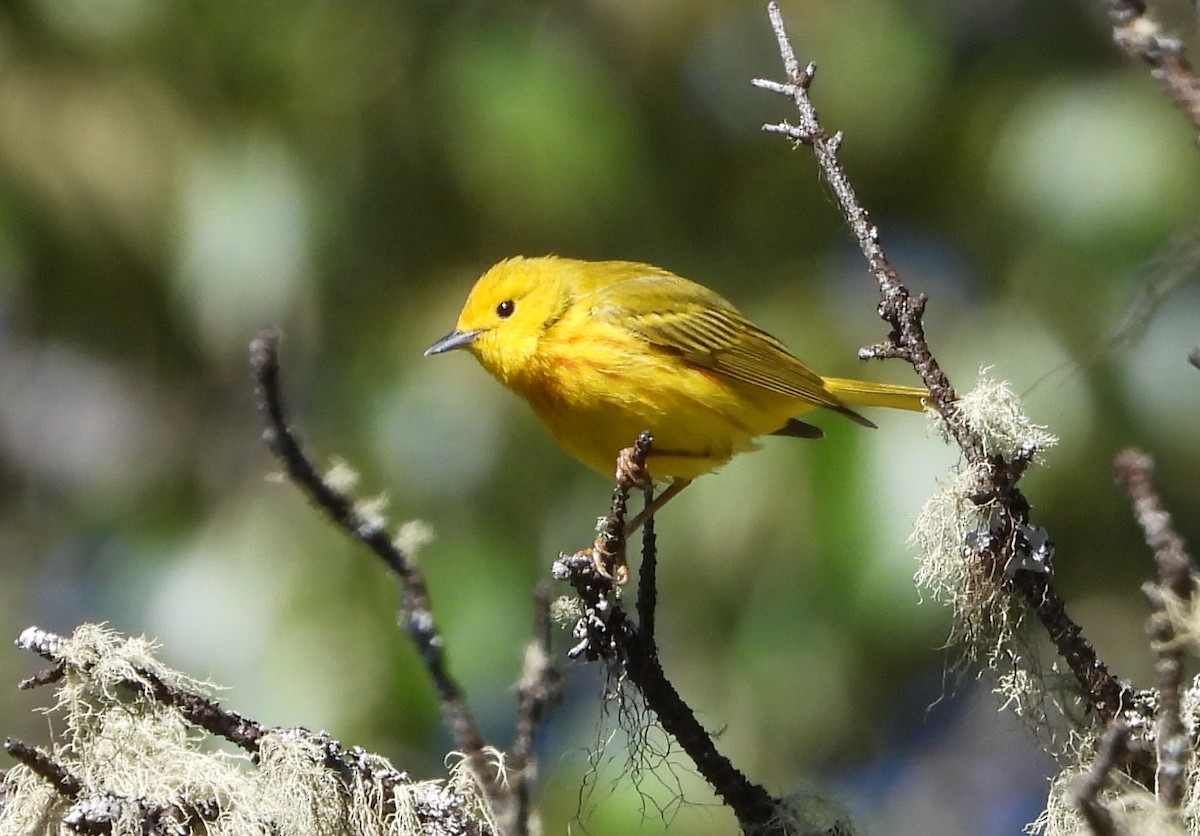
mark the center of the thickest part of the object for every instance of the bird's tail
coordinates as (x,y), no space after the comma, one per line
(866,393)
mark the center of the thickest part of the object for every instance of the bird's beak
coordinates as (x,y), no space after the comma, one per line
(453,340)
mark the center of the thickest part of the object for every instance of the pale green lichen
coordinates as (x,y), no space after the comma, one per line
(123,744)
(985,620)
(995,415)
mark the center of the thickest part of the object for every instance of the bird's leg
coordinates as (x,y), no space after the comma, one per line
(670,492)
(608,552)
(631,469)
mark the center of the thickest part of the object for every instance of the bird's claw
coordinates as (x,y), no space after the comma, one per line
(632,473)
(608,563)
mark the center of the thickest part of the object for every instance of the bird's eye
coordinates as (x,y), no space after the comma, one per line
(505,309)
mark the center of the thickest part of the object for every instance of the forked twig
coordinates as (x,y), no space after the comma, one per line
(903,312)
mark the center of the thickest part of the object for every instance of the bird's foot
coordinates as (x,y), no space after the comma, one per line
(631,472)
(608,559)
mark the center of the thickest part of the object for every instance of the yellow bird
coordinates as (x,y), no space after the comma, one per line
(603,350)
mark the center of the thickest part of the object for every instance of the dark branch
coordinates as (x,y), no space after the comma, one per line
(751,803)
(604,631)
(1105,694)
(1135,471)
(647,596)
(46,676)
(205,713)
(590,571)
(341,508)
(64,783)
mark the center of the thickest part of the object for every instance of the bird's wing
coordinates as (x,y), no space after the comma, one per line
(688,320)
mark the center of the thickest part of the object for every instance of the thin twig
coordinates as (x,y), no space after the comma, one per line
(206,713)
(415,609)
(1135,471)
(1177,262)
(1106,695)
(540,681)
(1142,37)
(647,597)
(64,783)
(903,312)
(1113,747)
(539,689)
(46,676)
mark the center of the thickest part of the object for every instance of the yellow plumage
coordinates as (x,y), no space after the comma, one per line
(604,350)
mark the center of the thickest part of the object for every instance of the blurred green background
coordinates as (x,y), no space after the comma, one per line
(174,176)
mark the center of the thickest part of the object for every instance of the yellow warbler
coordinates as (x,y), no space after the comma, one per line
(603,350)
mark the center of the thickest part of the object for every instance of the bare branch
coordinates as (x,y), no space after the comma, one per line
(647,597)
(46,676)
(897,307)
(904,312)
(1135,471)
(64,783)
(416,612)
(538,691)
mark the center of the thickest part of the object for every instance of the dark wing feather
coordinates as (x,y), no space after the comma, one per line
(798,429)
(690,321)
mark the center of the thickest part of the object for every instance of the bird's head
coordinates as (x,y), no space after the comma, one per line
(506,313)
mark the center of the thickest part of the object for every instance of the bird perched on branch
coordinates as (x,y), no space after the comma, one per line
(603,350)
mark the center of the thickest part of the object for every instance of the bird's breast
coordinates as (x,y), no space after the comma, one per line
(595,395)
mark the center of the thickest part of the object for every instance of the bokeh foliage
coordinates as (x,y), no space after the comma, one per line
(175,175)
